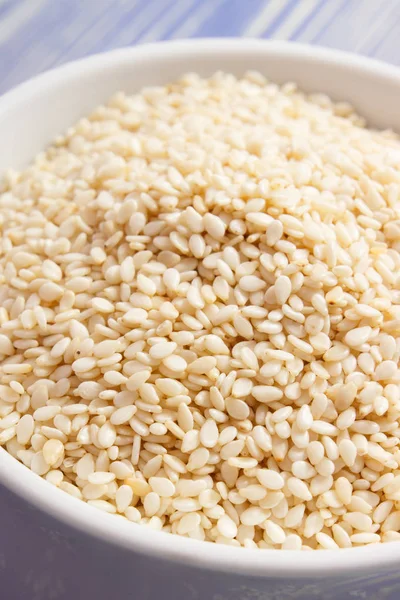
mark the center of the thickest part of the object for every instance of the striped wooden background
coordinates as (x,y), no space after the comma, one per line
(36,35)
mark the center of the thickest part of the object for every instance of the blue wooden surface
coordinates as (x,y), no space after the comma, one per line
(36,35)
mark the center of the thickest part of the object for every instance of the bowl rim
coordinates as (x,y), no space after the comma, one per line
(120,532)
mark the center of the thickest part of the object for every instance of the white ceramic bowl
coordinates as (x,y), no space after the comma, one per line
(53,546)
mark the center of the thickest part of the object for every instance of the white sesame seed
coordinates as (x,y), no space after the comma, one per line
(326,541)
(134,316)
(175,363)
(102,305)
(106,435)
(81,365)
(365,538)
(39,464)
(189,522)
(227,527)
(304,418)
(270,479)
(53,450)
(265,393)
(25,428)
(202,365)
(299,488)
(214,226)
(348,452)
(262,438)
(186,504)
(102,505)
(243,462)
(46,413)
(123,498)
(162,350)
(198,459)
(275,532)
(358,521)
(253,516)
(100,478)
(282,289)
(122,415)
(162,486)
(209,434)
(323,428)
(236,408)
(358,336)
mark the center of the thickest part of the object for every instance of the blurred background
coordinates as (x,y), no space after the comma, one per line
(36,35)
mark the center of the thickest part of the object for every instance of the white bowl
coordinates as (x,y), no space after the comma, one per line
(54,546)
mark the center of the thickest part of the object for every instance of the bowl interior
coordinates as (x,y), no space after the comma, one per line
(36,111)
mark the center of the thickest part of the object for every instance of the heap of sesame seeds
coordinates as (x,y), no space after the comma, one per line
(200,318)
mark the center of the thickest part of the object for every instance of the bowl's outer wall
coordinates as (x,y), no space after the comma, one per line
(41,558)
(44,559)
